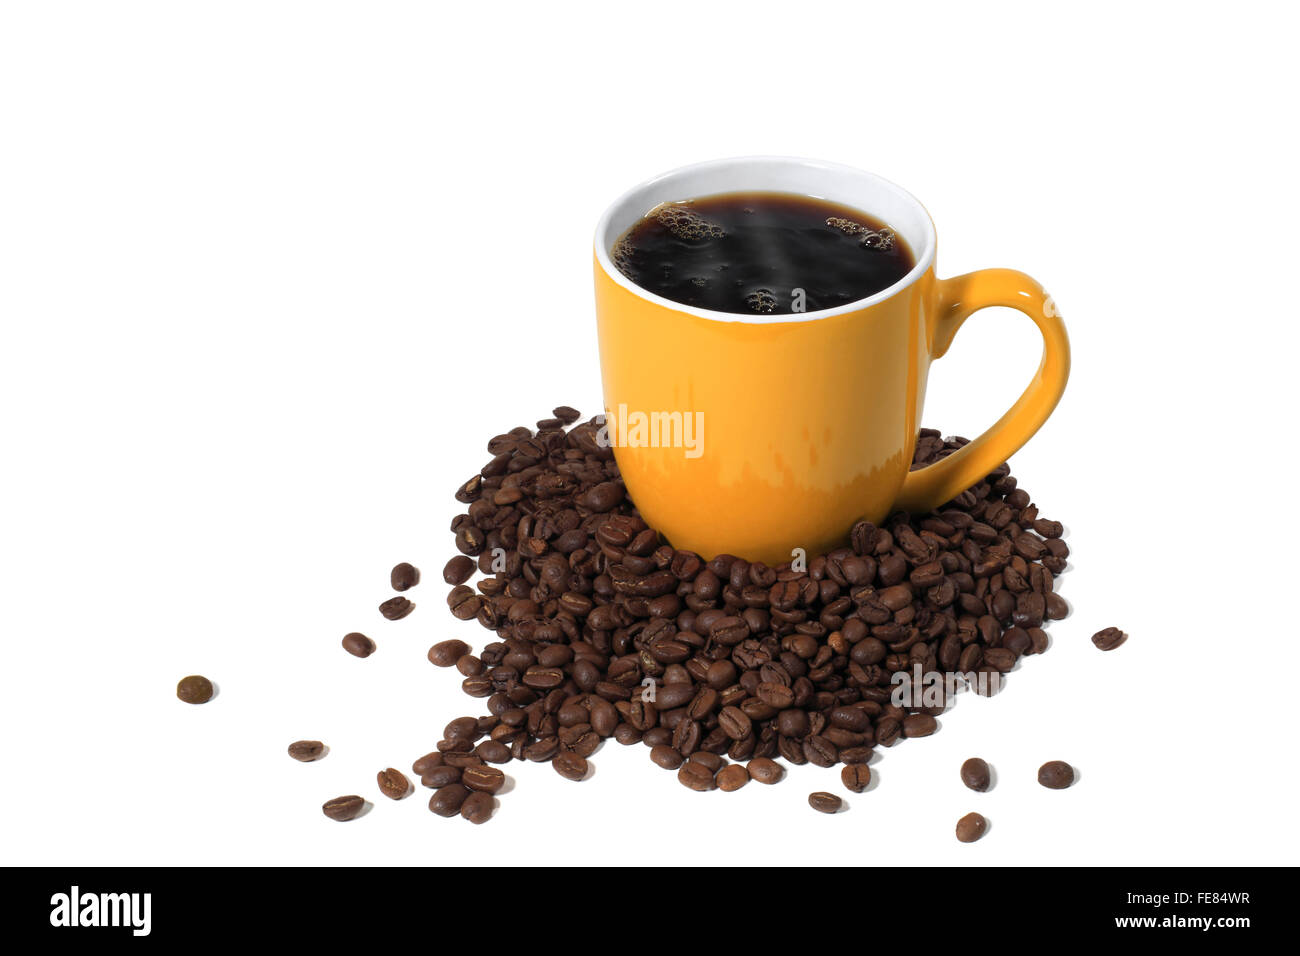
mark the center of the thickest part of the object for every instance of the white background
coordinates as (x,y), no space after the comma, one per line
(272,273)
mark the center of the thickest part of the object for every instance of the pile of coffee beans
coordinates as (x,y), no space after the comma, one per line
(602,630)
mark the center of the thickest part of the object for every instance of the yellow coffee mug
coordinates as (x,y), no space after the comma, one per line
(757,435)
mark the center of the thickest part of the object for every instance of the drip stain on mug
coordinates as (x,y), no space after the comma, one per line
(762,253)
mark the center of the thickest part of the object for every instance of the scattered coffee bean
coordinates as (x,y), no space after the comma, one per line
(485,779)
(765,770)
(394,784)
(396,608)
(975,774)
(343,808)
(447,801)
(856,777)
(195,689)
(423,765)
(404,576)
(732,777)
(664,756)
(566,414)
(477,807)
(824,802)
(447,653)
(696,776)
(1109,638)
(358,645)
(919,725)
(458,570)
(569,765)
(306,750)
(1056,775)
(438,777)
(971,827)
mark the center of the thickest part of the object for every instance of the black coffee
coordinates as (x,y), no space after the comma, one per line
(761,253)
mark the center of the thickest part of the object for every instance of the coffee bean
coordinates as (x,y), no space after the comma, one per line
(765,770)
(1056,775)
(570,766)
(396,608)
(485,779)
(971,827)
(919,725)
(438,777)
(888,731)
(824,802)
(696,776)
(493,751)
(358,645)
(666,757)
(458,570)
(566,413)
(306,750)
(732,777)
(477,807)
(735,723)
(975,774)
(404,576)
(1109,638)
(195,689)
(856,777)
(447,801)
(394,784)
(343,808)
(447,653)
(426,763)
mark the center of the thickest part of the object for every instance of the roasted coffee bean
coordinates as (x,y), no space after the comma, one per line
(343,808)
(196,689)
(666,757)
(493,751)
(396,608)
(732,777)
(1056,775)
(971,827)
(1109,638)
(394,784)
(765,770)
(486,779)
(856,777)
(710,760)
(824,802)
(919,725)
(423,765)
(404,576)
(478,807)
(444,776)
(447,653)
(975,774)
(888,731)
(570,765)
(458,570)
(306,750)
(696,776)
(447,801)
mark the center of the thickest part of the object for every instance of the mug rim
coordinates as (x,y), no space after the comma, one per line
(924,255)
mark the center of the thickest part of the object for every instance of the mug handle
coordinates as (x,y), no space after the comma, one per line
(957,299)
